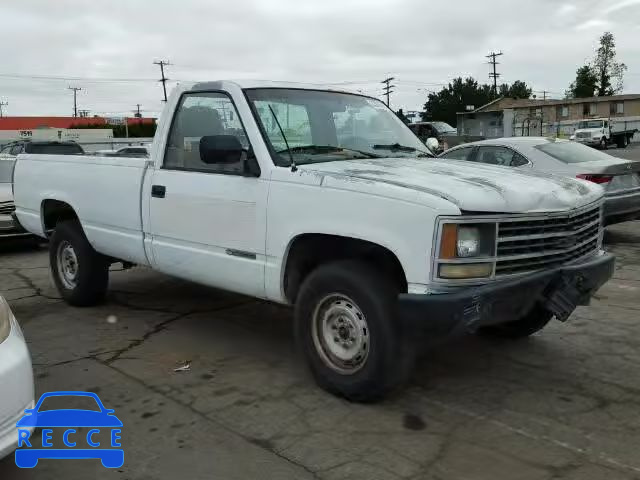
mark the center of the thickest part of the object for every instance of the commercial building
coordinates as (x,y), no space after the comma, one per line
(67,128)
(508,117)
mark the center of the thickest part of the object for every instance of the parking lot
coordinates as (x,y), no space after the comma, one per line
(562,404)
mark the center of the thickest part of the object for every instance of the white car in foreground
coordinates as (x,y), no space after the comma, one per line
(16,379)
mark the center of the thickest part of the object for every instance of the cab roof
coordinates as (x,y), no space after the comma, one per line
(247,83)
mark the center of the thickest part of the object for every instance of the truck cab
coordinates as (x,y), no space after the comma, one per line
(594,132)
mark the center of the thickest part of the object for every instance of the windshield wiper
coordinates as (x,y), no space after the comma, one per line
(320,149)
(396,147)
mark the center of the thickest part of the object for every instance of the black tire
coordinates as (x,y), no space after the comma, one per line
(89,285)
(533,322)
(390,355)
(603,143)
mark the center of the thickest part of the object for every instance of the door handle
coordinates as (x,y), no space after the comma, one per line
(158,191)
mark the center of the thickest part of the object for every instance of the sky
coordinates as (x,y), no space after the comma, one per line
(107,48)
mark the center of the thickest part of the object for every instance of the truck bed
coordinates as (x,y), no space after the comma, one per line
(105,193)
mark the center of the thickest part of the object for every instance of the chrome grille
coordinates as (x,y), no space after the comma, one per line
(528,245)
(7,208)
(583,135)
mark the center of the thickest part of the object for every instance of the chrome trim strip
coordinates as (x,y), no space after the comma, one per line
(549,235)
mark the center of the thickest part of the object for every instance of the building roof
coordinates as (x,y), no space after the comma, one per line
(501,103)
(33,123)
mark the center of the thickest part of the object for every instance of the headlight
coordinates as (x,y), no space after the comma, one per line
(5,320)
(466,250)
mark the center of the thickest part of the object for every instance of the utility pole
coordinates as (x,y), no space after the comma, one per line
(162,64)
(137,113)
(2,104)
(492,56)
(544,94)
(75,103)
(387,87)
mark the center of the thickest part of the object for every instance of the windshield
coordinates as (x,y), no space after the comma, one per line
(443,127)
(321,126)
(6,170)
(571,152)
(590,124)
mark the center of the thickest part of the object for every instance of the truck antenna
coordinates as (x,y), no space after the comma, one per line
(294,168)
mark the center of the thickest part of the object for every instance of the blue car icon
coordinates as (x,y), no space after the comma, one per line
(69,419)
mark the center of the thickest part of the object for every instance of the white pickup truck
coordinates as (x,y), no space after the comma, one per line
(326,201)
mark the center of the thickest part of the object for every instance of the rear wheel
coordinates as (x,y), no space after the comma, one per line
(626,141)
(346,328)
(80,273)
(533,322)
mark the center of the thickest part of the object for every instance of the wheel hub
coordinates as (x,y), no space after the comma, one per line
(67,263)
(341,333)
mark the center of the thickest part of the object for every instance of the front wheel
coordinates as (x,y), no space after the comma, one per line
(346,328)
(603,143)
(533,322)
(80,273)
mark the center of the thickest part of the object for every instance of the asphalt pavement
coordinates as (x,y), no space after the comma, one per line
(560,405)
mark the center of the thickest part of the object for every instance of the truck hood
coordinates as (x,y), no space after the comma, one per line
(468,185)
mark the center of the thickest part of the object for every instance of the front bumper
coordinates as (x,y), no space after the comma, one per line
(16,387)
(592,141)
(559,291)
(621,207)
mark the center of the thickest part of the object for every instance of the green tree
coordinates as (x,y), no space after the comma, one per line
(136,129)
(606,68)
(454,98)
(584,85)
(517,89)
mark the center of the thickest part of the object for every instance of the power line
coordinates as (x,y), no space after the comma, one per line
(492,56)
(2,104)
(162,64)
(18,76)
(75,103)
(387,89)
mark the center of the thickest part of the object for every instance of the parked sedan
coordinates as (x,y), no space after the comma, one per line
(619,178)
(9,225)
(16,379)
(13,149)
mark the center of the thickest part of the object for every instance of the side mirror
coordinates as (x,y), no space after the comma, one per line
(222,149)
(433,144)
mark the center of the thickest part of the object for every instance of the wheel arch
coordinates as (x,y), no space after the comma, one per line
(53,211)
(306,251)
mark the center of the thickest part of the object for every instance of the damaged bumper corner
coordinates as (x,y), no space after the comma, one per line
(559,290)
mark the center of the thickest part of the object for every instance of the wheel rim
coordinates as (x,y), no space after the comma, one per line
(340,334)
(67,262)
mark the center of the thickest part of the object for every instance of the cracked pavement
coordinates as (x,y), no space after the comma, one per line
(563,404)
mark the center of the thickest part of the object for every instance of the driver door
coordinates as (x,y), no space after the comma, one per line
(207,220)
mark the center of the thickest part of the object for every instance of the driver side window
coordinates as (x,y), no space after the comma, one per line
(197,116)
